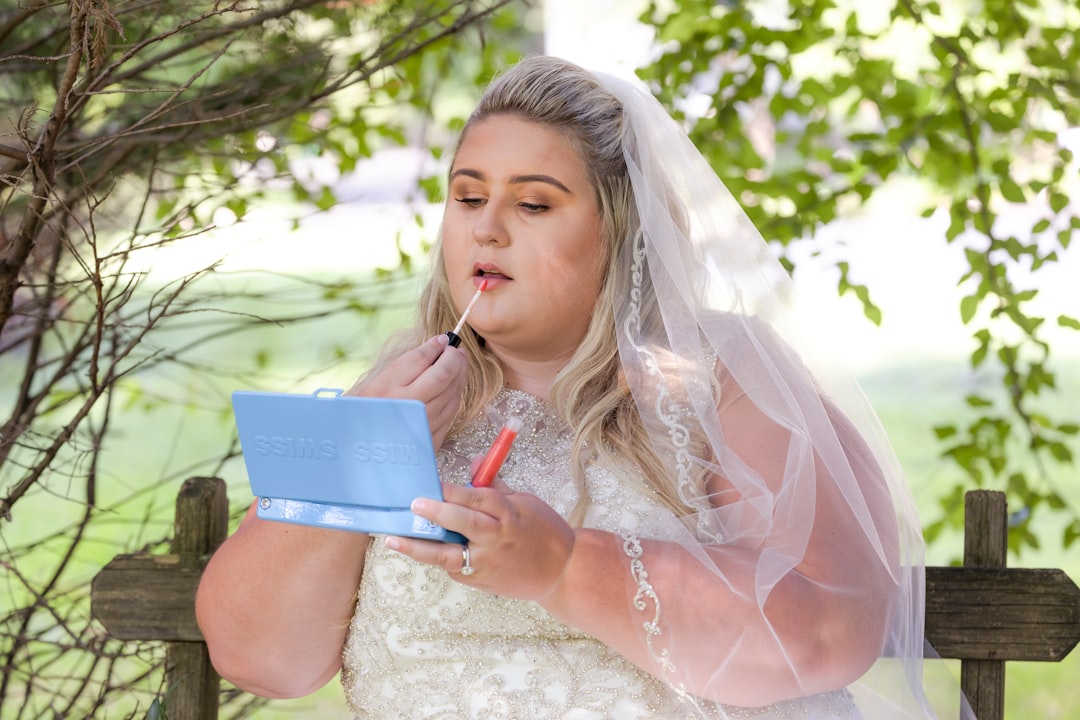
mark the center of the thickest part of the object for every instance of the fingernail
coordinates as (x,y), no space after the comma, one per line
(393,543)
(442,339)
(418,505)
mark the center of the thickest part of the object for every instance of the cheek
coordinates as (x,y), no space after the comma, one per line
(454,251)
(577,280)
(454,228)
(589,264)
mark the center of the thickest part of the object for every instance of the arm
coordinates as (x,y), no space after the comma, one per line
(823,624)
(274,602)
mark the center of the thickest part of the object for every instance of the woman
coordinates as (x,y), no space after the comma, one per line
(687,526)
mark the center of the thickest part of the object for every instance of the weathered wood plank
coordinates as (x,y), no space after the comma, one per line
(1002,614)
(193,682)
(971,613)
(202,516)
(986,537)
(202,522)
(148,597)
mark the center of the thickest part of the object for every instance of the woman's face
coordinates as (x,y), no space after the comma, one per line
(522,214)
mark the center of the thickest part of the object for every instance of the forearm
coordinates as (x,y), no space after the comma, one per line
(274,605)
(805,640)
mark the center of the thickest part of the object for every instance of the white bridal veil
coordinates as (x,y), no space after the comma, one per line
(714,351)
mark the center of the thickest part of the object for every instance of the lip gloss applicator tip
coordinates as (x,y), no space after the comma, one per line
(455,339)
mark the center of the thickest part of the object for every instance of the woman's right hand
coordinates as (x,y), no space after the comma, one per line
(433,373)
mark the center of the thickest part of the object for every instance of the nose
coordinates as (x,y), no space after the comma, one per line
(489,227)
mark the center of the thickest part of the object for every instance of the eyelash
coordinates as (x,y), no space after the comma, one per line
(529,207)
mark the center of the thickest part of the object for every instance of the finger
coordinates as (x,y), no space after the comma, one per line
(487,503)
(464,511)
(413,364)
(448,556)
(445,401)
(497,483)
(445,375)
(409,367)
(501,486)
(474,465)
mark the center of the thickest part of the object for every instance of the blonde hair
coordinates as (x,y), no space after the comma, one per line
(590,394)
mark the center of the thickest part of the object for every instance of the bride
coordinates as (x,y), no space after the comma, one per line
(689,525)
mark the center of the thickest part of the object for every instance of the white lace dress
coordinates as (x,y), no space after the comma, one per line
(423,646)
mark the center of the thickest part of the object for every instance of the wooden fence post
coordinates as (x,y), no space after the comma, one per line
(202,522)
(152,597)
(985,545)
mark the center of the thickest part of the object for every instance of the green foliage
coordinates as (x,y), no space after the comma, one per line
(811,110)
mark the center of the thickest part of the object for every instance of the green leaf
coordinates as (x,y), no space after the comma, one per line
(1066,321)
(1027,538)
(958,220)
(1011,191)
(1064,237)
(326,199)
(1058,201)
(1072,532)
(1017,485)
(979,355)
(944,431)
(1061,452)
(933,530)
(238,206)
(968,305)
(432,187)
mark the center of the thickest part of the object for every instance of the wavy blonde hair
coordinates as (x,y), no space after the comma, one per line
(590,394)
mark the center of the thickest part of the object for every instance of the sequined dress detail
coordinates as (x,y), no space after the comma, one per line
(423,646)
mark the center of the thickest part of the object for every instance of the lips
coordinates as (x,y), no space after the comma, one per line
(490,272)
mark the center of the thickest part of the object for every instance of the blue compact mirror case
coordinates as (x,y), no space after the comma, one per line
(348,463)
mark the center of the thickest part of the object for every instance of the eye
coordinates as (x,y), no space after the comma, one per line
(470,201)
(533,207)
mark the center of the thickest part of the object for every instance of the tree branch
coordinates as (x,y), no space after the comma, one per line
(18,251)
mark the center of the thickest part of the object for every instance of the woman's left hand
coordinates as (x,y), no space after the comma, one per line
(519,546)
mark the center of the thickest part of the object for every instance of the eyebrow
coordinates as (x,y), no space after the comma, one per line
(515,180)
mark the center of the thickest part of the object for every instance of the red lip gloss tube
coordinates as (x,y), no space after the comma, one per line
(491,463)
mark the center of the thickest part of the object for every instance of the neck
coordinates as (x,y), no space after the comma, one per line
(531,375)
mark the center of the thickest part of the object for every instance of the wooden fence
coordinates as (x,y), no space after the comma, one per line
(983,613)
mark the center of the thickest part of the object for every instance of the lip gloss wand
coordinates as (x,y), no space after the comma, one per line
(491,463)
(455,339)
